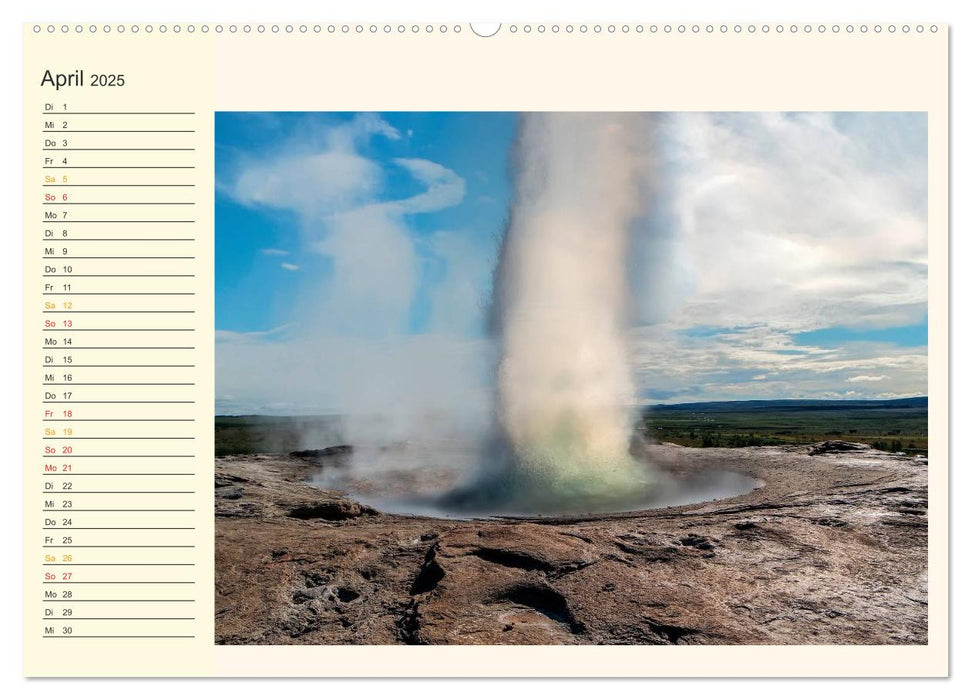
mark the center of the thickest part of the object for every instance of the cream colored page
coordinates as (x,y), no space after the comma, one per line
(320,67)
(117,350)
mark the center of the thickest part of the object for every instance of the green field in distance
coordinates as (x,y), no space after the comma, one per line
(898,425)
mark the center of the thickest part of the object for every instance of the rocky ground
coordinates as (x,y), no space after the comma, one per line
(831,550)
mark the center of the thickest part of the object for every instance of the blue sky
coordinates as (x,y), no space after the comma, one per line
(912,336)
(257,247)
(789,256)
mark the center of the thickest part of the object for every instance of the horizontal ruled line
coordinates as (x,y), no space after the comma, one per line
(122,311)
(118,131)
(119,636)
(139,275)
(118,330)
(125,221)
(115,204)
(113,613)
(119,149)
(118,257)
(115,366)
(116,239)
(127,113)
(117,420)
(118,384)
(119,167)
(119,510)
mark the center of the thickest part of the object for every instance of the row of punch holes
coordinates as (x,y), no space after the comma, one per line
(486,29)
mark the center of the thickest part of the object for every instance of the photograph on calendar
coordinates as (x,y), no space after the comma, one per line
(571,378)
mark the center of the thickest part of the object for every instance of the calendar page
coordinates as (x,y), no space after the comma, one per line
(521,349)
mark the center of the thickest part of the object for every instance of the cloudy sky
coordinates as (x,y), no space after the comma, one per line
(354,258)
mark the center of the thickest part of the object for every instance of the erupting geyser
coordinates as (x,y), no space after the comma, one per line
(565,396)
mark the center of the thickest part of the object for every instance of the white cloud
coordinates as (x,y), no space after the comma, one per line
(336,192)
(314,180)
(274,251)
(761,362)
(313,184)
(445,188)
(242,337)
(352,355)
(798,221)
(777,223)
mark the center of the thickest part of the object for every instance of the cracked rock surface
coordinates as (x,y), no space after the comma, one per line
(832,549)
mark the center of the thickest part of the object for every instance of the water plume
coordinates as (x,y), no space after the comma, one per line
(564,391)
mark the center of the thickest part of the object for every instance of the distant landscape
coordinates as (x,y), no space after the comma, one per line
(898,425)
(257,434)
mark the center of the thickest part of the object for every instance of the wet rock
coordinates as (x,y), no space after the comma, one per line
(837,446)
(330,510)
(332,451)
(429,574)
(230,493)
(696,541)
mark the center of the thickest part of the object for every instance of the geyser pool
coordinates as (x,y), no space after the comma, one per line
(433,480)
